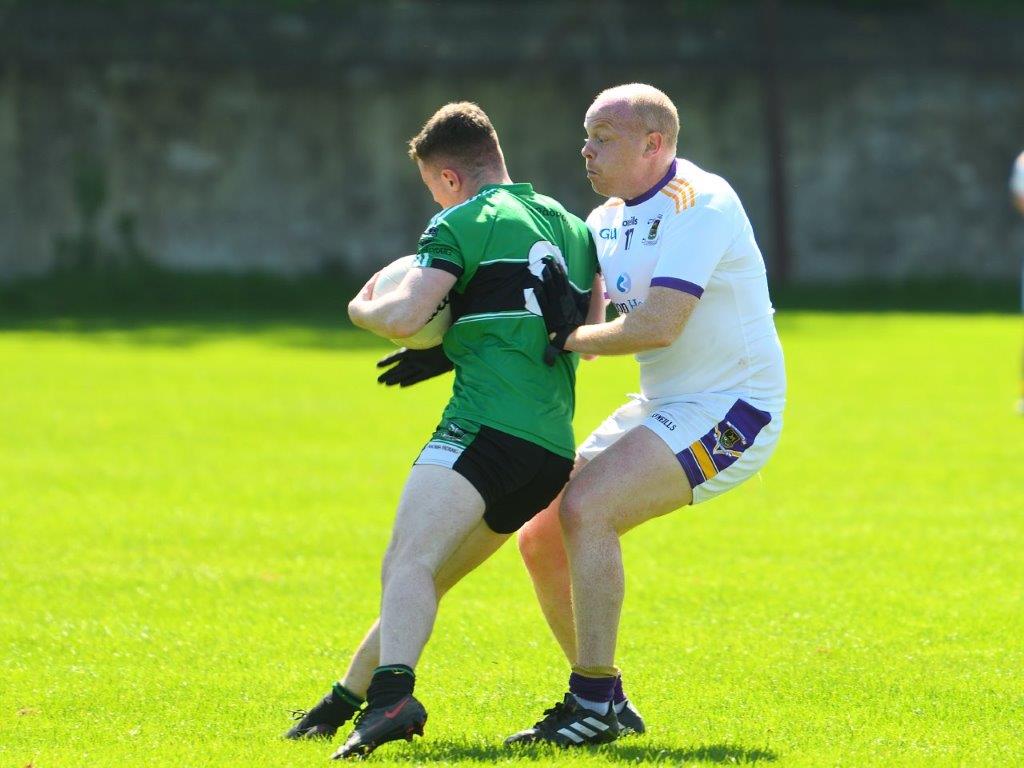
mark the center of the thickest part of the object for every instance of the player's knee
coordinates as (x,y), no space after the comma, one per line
(573,512)
(540,550)
(582,511)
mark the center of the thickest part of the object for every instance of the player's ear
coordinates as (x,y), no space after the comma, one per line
(655,141)
(452,179)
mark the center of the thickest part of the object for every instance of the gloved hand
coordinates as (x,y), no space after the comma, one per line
(411,366)
(563,310)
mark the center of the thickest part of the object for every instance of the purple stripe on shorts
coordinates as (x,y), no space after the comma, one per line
(690,468)
(747,419)
(735,433)
(720,459)
(680,285)
(726,441)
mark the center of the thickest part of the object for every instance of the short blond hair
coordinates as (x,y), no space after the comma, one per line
(652,108)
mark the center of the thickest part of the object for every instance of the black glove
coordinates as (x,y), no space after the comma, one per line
(413,366)
(564,311)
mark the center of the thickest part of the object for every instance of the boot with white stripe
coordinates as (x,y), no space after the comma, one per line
(569,724)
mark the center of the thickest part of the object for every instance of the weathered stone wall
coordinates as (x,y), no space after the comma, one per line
(251,138)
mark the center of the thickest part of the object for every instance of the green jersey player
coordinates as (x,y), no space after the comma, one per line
(504,446)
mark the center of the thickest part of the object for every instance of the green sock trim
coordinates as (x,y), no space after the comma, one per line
(343,693)
(395,669)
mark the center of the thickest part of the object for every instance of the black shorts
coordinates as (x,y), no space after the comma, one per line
(516,478)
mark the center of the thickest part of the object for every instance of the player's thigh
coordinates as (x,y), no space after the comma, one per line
(479,544)
(635,479)
(437,511)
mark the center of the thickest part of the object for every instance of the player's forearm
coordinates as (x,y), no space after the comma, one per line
(626,334)
(1018,200)
(387,316)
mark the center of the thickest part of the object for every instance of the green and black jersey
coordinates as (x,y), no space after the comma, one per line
(498,337)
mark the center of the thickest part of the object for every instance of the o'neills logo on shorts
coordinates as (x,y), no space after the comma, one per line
(669,424)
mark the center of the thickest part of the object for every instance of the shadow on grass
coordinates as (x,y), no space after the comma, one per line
(626,751)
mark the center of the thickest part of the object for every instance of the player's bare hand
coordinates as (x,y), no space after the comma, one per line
(366,292)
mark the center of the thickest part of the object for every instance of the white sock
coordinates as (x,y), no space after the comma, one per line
(620,706)
(601,707)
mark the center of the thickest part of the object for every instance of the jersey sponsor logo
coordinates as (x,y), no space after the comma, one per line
(443,250)
(623,282)
(630,222)
(609,233)
(624,307)
(654,231)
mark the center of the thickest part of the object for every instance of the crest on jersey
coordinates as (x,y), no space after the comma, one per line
(654,231)
(729,441)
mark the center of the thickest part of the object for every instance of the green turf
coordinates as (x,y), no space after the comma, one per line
(191,522)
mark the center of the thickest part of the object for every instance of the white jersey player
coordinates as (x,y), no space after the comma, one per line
(1017,182)
(681,266)
(1017,192)
(725,371)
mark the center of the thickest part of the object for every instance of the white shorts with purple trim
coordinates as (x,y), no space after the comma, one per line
(720,440)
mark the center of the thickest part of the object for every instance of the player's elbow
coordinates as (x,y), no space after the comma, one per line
(661,337)
(355,314)
(407,317)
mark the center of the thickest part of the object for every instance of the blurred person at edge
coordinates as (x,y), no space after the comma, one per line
(1017,192)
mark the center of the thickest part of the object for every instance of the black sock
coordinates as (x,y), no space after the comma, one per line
(348,703)
(389,685)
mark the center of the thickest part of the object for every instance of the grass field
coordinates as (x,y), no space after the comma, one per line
(192,518)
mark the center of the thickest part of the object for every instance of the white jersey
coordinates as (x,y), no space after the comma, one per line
(1017,179)
(690,233)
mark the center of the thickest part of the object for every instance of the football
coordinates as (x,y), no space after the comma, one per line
(429,335)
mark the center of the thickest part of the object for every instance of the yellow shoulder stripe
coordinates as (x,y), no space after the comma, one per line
(681,192)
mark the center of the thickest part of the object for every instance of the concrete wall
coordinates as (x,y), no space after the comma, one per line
(250,138)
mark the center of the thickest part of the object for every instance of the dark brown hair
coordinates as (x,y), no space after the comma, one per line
(459,132)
